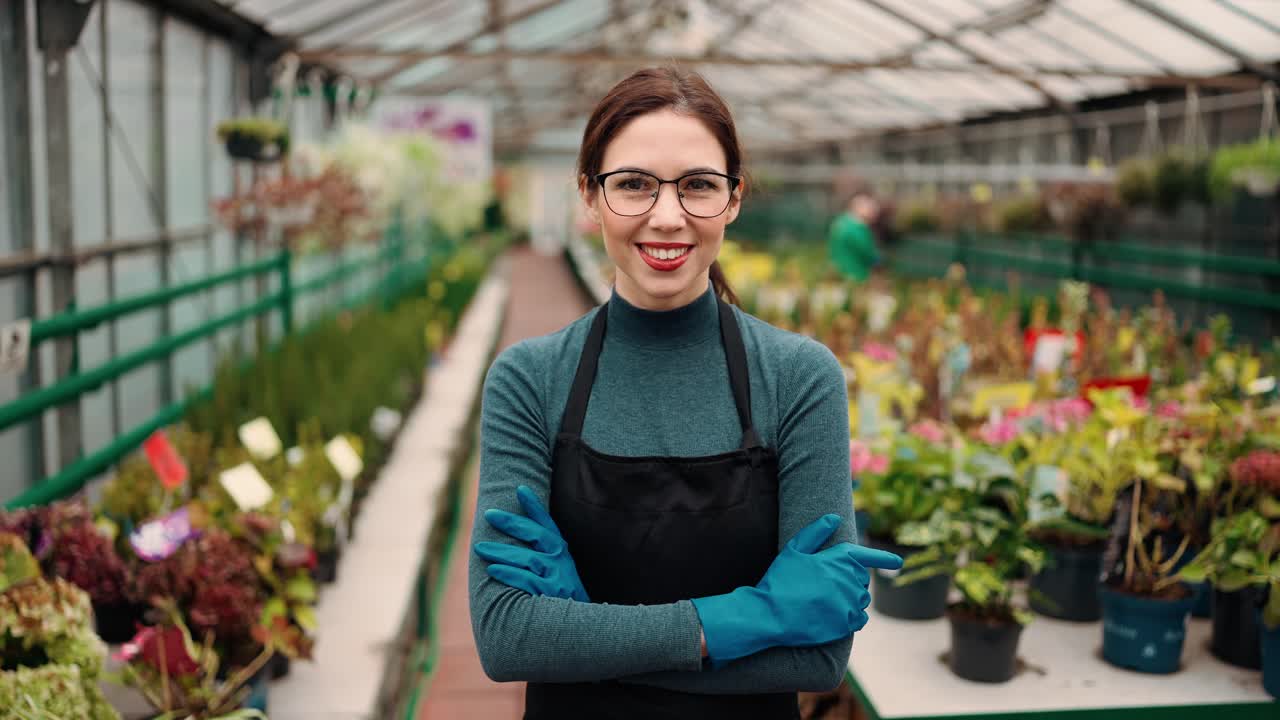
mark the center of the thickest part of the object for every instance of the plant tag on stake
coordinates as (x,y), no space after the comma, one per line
(348,464)
(165,460)
(260,439)
(15,345)
(1048,354)
(1047,480)
(246,486)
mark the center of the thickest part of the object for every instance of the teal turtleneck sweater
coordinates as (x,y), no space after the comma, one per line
(662,388)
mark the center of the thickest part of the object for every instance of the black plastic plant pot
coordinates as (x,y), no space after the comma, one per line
(279,666)
(1236,639)
(326,570)
(1144,633)
(921,600)
(118,622)
(982,650)
(1069,584)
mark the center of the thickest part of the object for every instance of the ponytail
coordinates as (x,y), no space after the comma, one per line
(721,285)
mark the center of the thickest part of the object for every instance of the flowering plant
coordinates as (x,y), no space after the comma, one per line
(179,676)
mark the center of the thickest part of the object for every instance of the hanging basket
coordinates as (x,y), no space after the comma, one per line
(241,146)
(257,140)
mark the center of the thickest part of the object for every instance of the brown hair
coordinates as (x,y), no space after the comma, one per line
(650,90)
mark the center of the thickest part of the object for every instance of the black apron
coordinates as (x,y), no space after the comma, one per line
(654,530)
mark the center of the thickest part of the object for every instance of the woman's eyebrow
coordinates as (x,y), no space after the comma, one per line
(687,171)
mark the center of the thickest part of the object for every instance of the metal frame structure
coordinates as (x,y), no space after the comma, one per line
(873,58)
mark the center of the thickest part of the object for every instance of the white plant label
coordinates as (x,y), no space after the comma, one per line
(15,345)
(246,486)
(880,309)
(1047,357)
(344,458)
(1262,385)
(260,439)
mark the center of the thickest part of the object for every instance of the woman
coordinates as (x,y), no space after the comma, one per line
(694,460)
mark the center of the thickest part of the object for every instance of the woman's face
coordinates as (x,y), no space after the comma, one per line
(667,145)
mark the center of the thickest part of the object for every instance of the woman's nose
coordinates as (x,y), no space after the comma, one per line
(667,214)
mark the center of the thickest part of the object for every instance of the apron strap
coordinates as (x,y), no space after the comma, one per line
(735,354)
(575,411)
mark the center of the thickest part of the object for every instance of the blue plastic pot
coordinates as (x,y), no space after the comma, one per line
(1270,658)
(1143,634)
(259,690)
(863,521)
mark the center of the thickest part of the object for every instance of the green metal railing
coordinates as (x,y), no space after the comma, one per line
(396,274)
(1096,263)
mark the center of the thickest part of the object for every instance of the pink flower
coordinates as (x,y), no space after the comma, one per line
(1000,433)
(879,351)
(863,460)
(929,431)
(1171,410)
(879,464)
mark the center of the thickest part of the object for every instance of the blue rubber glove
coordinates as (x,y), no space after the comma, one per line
(547,568)
(806,597)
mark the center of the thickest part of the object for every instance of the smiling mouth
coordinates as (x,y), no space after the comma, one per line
(665,251)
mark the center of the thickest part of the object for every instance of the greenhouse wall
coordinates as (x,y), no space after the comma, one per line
(145,92)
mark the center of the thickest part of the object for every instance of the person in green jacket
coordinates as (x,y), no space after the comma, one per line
(852,243)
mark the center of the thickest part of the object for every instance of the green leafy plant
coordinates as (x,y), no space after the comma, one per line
(983,544)
(1244,552)
(916,484)
(1135,182)
(1254,166)
(50,658)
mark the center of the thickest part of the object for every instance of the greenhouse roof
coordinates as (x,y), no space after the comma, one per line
(795,71)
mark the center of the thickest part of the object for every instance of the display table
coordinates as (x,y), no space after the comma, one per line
(898,670)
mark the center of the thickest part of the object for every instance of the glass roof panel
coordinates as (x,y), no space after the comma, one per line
(1108,48)
(1230,27)
(1092,45)
(1178,50)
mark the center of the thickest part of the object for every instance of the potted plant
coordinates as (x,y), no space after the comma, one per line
(212,580)
(183,679)
(1076,479)
(284,567)
(79,550)
(1245,554)
(985,547)
(911,489)
(1253,167)
(50,659)
(1242,558)
(1144,603)
(259,140)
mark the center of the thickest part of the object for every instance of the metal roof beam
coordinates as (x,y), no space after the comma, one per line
(1248,62)
(1259,21)
(420,13)
(459,45)
(977,56)
(342,18)
(604,56)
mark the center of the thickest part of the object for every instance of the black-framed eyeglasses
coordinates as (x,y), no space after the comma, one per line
(633,192)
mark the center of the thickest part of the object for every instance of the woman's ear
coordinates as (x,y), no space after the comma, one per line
(589,195)
(735,202)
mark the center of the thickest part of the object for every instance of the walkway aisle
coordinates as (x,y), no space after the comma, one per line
(544,297)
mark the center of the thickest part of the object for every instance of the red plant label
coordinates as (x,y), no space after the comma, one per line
(165,460)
